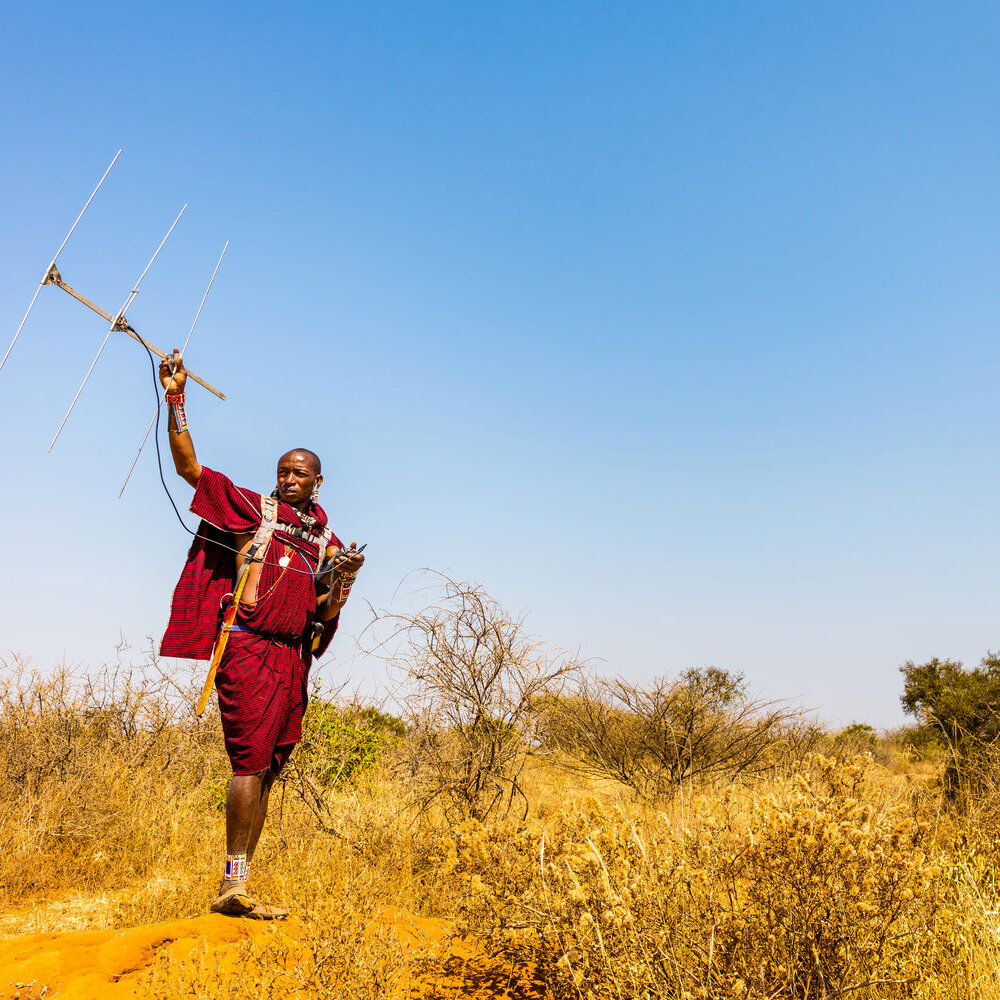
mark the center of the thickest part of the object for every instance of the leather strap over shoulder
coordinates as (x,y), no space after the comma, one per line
(268,510)
(268,522)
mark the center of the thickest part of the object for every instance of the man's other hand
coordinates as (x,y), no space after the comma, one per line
(349,560)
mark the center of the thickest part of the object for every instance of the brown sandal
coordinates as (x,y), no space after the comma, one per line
(262,911)
(234,902)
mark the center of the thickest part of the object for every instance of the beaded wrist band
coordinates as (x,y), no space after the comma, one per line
(342,586)
(176,403)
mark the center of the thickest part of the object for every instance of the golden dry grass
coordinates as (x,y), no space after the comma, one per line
(823,878)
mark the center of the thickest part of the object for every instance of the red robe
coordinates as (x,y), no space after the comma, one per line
(262,680)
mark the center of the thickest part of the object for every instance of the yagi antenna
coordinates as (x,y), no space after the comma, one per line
(117,321)
(172,361)
(51,268)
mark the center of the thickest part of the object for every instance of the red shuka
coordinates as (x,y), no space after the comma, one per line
(262,680)
(286,604)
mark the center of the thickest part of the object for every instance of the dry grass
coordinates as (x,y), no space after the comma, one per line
(826,878)
(821,884)
(336,951)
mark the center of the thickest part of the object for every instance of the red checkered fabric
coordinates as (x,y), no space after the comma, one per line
(262,679)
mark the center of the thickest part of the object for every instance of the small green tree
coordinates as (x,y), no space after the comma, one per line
(339,743)
(961,707)
(858,737)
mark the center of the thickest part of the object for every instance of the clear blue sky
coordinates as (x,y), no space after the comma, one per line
(675,325)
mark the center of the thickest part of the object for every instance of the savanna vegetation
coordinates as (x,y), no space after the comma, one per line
(676,838)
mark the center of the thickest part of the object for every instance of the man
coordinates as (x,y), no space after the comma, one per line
(261,554)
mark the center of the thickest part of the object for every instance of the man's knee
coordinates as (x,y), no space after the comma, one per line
(258,775)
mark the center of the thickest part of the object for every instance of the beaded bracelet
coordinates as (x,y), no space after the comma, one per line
(176,403)
(343,583)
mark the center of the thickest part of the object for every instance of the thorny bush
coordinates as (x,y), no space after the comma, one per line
(656,736)
(75,752)
(472,682)
(340,744)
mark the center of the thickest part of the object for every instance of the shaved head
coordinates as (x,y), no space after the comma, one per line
(311,457)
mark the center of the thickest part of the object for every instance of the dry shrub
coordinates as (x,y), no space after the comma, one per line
(472,682)
(815,889)
(110,781)
(341,744)
(655,737)
(79,757)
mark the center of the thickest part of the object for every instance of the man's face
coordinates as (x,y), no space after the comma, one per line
(297,477)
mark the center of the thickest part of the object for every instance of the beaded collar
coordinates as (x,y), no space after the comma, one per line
(308,520)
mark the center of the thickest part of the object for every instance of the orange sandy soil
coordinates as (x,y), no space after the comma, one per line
(92,965)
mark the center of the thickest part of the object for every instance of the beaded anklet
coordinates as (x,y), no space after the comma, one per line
(236,867)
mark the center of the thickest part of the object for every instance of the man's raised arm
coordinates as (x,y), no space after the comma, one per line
(181,445)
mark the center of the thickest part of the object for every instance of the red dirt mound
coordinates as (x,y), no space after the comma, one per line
(93,965)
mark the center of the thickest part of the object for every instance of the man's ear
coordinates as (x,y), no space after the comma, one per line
(319,480)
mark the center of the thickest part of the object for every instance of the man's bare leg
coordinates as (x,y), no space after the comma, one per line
(267,780)
(242,806)
(246,810)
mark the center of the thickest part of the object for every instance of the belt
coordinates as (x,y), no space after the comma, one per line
(261,635)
